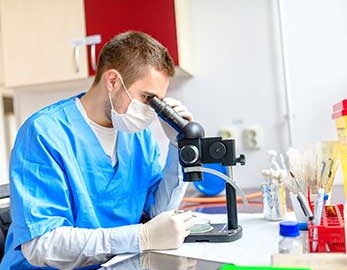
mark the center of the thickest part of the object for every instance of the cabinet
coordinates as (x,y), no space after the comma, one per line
(3,148)
(36,42)
(38,37)
(39,62)
(8,130)
(168,21)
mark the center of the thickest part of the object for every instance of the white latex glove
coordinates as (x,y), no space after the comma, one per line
(182,111)
(165,231)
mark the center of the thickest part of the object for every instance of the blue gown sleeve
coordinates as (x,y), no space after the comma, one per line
(40,195)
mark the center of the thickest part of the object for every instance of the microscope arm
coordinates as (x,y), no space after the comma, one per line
(221,175)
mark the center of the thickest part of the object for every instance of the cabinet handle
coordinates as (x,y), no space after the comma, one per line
(89,40)
(93,56)
(76,57)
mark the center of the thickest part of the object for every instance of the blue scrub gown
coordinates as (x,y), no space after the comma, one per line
(60,176)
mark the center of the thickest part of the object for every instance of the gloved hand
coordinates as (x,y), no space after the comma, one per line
(182,111)
(165,231)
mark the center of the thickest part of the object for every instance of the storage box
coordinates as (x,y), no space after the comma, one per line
(314,261)
(340,117)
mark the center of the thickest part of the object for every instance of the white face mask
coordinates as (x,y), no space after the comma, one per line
(136,118)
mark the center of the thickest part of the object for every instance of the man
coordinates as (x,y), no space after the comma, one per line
(84,170)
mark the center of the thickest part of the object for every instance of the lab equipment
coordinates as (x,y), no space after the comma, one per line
(340,117)
(211,185)
(303,228)
(304,205)
(194,150)
(298,211)
(201,228)
(345,218)
(290,241)
(327,156)
(318,209)
(274,201)
(312,261)
(201,225)
(298,198)
(303,168)
(330,233)
(274,206)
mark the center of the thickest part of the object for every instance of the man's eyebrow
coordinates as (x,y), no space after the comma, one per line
(148,93)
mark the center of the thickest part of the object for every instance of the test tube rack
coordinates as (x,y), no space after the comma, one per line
(330,233)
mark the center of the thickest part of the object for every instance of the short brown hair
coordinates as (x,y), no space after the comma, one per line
(131,53)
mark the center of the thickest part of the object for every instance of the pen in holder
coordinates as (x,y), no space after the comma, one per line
(298,209)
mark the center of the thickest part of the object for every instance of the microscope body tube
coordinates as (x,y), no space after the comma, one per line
(168,114)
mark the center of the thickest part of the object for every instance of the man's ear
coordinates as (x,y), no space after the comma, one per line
(110,79)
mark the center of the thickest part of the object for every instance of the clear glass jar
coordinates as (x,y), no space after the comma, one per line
(290,241)
(274,201)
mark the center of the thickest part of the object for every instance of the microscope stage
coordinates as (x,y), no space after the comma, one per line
(218,234)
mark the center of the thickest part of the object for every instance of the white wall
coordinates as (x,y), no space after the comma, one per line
(237,82)
(234,81)
(317,57)
(237,77)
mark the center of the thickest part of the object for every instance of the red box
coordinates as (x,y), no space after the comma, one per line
(329,236)
(340,105)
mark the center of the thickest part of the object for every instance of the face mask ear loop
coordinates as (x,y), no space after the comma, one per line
(126,89)
(109,96)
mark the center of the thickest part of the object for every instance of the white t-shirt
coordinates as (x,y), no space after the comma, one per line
(106,136)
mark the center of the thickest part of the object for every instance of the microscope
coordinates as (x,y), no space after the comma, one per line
(194,150)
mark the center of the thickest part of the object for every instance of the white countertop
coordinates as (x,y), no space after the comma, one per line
(259,241)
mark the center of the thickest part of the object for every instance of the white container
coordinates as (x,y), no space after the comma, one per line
(345,219)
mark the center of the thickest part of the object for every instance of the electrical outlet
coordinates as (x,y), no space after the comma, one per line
(253,138)
(227,133)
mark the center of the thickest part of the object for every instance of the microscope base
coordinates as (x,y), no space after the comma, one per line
(220,233)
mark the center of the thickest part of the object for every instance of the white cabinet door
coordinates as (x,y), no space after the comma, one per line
(37,37)
(3,150)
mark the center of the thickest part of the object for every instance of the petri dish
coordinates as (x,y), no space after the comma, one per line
(201,228)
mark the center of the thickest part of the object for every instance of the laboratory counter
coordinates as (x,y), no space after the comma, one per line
(258,243)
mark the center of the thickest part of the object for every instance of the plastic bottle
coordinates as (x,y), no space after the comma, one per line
(290,241)
(304,236)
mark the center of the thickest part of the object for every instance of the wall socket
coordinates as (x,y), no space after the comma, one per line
(227,133)
(253,138)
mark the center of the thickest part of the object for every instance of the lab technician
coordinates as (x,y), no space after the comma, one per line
(84,170)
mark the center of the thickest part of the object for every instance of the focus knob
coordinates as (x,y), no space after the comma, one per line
(189,154)
(241,159)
